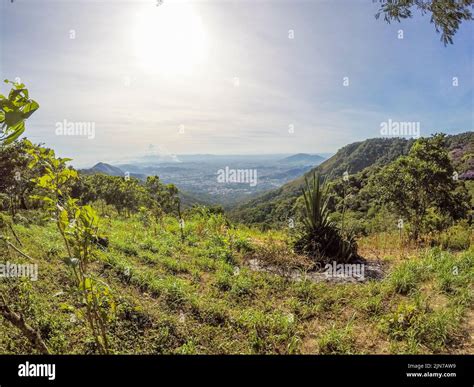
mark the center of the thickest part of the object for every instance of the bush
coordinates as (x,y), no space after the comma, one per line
(243,245)
(457,237)
(321,240)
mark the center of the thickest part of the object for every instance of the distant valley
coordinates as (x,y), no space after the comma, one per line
(216,179)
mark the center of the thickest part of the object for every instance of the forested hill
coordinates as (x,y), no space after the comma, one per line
(275,205)
(461,152)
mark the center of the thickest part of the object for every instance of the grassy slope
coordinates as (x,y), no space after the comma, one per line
(190,297)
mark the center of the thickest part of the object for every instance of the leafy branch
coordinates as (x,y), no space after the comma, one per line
(14,110)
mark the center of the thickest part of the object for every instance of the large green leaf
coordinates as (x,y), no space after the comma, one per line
(17,132)
(14,110)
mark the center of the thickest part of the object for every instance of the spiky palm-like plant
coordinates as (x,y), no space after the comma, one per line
(316,199)
(320,238)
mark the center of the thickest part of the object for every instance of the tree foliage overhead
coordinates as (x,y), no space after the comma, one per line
(446,15)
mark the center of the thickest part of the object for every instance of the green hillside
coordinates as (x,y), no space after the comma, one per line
(276,206)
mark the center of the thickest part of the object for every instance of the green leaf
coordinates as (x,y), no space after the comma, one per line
(18,131)
(29,109)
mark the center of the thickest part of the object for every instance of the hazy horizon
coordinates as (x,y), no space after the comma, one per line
(136,157)
(229,78)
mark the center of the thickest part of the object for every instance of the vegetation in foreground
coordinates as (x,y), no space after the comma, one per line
(200,296)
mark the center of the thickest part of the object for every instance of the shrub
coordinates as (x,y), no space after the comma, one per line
(243,245)
(321,240)
(457,237)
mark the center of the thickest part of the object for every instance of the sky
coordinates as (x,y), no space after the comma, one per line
(224,77)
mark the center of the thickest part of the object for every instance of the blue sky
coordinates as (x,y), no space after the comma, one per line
(224,77)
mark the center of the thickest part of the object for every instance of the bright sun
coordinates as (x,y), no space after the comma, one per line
(170,40)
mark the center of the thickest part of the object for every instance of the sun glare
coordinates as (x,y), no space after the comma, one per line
(170,40)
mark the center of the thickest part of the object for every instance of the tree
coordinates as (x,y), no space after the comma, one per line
(421,181)
(14,111)
(161,195)
(16,184)
(79,229)
(78,225)
(447,15)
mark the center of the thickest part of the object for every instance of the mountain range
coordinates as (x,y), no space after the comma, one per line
(197,175)
(280,177)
